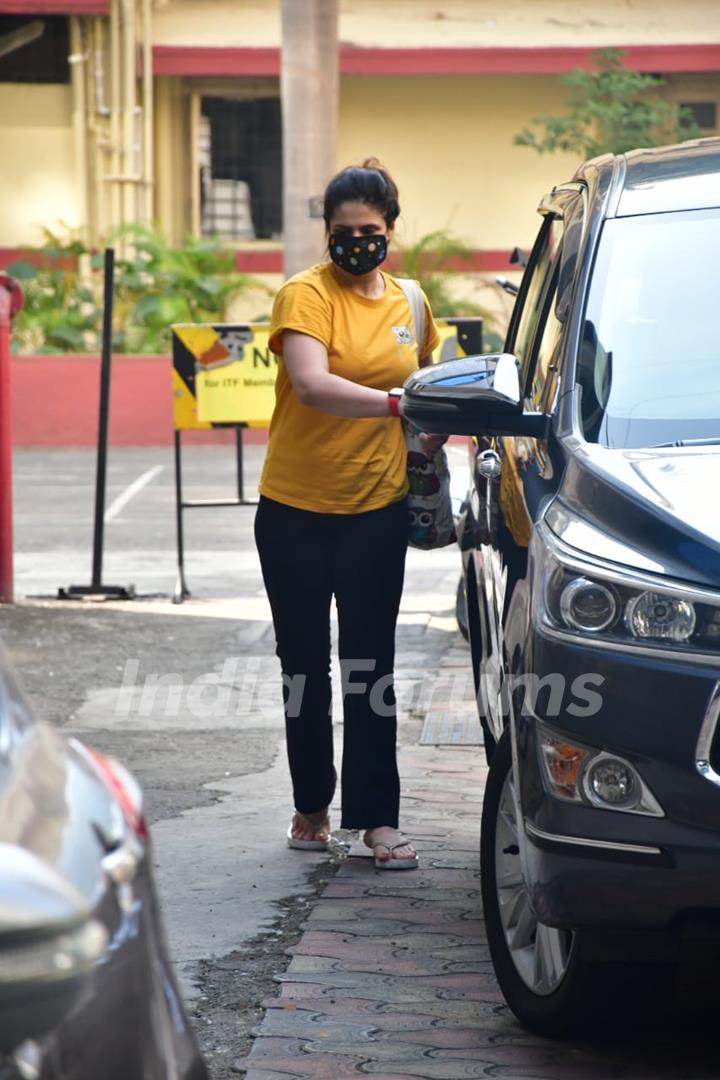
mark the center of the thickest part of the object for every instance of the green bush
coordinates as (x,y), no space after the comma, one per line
(429,262)
(611,110)
(156,284)
(61,312)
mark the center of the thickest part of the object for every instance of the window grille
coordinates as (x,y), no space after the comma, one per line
(42,60)
(240,158)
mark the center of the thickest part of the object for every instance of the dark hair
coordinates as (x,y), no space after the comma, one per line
(368,183)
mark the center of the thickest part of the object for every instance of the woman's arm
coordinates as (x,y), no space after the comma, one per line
(306,361)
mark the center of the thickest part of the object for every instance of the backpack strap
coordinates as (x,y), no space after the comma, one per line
(414,297)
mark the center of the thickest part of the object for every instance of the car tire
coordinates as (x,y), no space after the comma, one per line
(461,611)
(574,994)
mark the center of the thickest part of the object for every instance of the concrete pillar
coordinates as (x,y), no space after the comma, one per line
(309,90)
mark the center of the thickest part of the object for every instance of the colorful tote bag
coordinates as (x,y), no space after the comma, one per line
(429,503)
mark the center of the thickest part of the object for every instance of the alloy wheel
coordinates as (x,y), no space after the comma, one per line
(540,953)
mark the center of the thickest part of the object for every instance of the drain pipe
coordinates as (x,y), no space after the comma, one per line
(111,177)
(148,152)
(78,65)
(127,160)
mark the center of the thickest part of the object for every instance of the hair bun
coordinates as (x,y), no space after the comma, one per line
(368,183)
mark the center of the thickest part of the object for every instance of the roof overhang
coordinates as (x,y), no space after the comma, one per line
(54,7)
(237,60)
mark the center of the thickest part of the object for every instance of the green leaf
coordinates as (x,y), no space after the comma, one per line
(67,337)
(22,270)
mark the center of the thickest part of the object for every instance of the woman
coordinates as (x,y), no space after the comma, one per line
(332,518)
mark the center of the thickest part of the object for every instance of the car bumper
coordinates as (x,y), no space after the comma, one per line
(592,867)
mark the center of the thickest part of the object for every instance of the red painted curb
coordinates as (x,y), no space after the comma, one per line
(55,403)
(270,260)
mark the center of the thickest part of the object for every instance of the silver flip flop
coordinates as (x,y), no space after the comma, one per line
(395,864)
(307,845)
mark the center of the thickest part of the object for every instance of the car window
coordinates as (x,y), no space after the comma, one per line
(545,369)
(649,359)
(540,267)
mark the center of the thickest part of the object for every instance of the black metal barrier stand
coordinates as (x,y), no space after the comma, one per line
(96,589)
(181,590)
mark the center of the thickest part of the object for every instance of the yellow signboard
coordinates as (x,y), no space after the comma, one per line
(225,373)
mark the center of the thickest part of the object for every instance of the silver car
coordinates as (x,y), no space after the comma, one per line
(86,989)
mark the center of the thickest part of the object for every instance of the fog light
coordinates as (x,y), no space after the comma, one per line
(586,774)
(587,605)
(612,782)
(654,615)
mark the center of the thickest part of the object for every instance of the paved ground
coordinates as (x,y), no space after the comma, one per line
(188,696)
(388,974)
(392,977)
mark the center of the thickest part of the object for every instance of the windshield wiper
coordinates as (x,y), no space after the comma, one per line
(710,440)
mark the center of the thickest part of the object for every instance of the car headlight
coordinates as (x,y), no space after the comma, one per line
(588,605)
(575,595)
(667,618)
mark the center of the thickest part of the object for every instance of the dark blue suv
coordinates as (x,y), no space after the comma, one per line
(591,551)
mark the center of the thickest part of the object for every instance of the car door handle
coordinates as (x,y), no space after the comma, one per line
(488,465)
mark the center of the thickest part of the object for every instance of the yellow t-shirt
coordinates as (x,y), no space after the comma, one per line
(335,464)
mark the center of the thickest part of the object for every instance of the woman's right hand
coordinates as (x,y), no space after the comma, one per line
(432,443)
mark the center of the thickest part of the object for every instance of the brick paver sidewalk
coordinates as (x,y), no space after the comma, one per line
(392,977)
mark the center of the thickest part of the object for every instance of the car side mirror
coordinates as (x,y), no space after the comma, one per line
(471,395)
(49,945)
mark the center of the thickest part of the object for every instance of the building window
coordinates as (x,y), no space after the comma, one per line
(241,168)
(34,50)
(702,113)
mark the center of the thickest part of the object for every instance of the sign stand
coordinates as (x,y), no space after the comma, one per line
(181,590)
(232,364)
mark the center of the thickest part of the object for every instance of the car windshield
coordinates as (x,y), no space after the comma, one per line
(649,360)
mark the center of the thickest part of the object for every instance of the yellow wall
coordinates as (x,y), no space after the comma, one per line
(252,23)
(517,23)
(447,141)
(449,23)
(37,169)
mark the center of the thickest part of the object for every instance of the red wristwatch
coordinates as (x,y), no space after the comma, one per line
(394,396)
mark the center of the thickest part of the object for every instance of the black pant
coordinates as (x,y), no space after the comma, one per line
(307,557)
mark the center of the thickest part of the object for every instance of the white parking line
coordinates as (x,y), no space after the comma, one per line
(131,490)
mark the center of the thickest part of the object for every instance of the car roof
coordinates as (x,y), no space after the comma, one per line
(661,179)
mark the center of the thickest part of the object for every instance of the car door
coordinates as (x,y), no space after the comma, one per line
(527,468)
